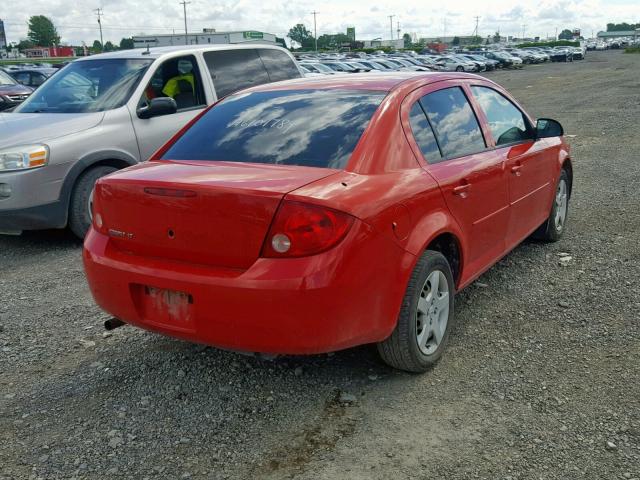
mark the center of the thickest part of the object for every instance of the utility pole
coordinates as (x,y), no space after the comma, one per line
(100,14)
(315,28)
(398,30)
(477,22)
(391,23)
(444,36)
(556,33)
(184,4)
(524,27)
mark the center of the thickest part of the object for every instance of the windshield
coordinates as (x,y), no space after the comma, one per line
(315,128)
(88,86)
(5,79)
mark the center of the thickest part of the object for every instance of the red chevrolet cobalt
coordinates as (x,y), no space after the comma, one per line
(317,214)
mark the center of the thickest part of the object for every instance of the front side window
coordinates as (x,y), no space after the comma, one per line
(506,122)
(455,124)
(88,86)
(315,128)
(233,70)
(179,79)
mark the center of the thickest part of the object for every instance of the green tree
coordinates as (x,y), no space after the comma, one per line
(96,47)
(24,44)
(126,44)
(455,41)
(407,40)
(565,34)
(42,32)
(301,35)
(108,46)
(619,27)
(496,37)
(333,41)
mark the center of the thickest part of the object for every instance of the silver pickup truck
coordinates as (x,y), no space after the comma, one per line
(110,111)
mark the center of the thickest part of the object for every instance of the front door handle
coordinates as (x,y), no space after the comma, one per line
(462,190)
(516,170)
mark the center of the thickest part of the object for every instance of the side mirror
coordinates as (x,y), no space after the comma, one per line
(547,128)
(157,107)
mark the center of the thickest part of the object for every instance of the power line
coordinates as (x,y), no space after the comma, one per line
(184,4)
(315,28)
(99,14)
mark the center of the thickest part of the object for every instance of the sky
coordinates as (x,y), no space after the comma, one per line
(76,22)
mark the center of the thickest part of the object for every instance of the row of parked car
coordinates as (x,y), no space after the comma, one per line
(460,61)
(17,82)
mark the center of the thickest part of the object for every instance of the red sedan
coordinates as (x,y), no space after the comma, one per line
(317,214)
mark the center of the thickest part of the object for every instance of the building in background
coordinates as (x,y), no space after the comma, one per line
(206,37)
(3,36)
(377,43)
(48,52)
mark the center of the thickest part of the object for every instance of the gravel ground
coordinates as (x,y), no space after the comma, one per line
(541,379)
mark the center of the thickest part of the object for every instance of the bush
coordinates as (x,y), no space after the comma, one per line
(632,50)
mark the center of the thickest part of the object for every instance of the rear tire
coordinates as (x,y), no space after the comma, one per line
(426,317)
(79,208)
(553,228)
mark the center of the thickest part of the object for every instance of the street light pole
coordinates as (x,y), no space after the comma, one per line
(391,26)
(184,4)
(315,28)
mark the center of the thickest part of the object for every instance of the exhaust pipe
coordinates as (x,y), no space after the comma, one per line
(113,323)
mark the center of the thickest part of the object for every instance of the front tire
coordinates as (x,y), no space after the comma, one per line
(553,228)
(459,69)
(81,198)
(426,317)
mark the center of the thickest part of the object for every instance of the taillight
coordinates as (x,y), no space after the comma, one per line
(301,229)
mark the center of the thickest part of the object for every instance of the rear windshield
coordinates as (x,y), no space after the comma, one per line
(315,128)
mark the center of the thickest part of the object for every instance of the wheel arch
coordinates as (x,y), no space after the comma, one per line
(567,165)
(440,232)
(112,158)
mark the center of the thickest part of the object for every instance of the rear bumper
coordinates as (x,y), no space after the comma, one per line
(347,296)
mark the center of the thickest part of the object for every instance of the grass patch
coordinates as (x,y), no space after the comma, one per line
(632,50)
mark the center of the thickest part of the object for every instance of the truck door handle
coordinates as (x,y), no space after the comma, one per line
(516,169)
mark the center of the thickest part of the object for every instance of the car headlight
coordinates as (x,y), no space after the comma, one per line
(24,157)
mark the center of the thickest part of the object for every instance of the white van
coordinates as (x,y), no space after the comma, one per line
(110,111)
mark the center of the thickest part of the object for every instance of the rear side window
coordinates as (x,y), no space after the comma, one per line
(315,128)
(456,126)
(506,122)
(278,64)
(423,134)
(233,70)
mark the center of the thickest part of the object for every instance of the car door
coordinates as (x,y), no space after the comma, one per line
(528,162)
(152,133)
(471,177)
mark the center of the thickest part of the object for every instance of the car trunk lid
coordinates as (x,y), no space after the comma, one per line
(211,213)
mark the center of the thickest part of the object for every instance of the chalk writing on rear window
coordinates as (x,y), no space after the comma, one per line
(278,123)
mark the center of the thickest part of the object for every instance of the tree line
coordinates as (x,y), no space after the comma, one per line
(43,33)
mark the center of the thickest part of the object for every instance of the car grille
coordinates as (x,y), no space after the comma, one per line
(17,98)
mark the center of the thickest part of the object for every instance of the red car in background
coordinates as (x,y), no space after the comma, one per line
(318,214)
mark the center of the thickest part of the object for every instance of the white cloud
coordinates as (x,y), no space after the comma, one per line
(122,18)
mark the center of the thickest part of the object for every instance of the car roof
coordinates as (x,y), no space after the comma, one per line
(157,52)
(380,81)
